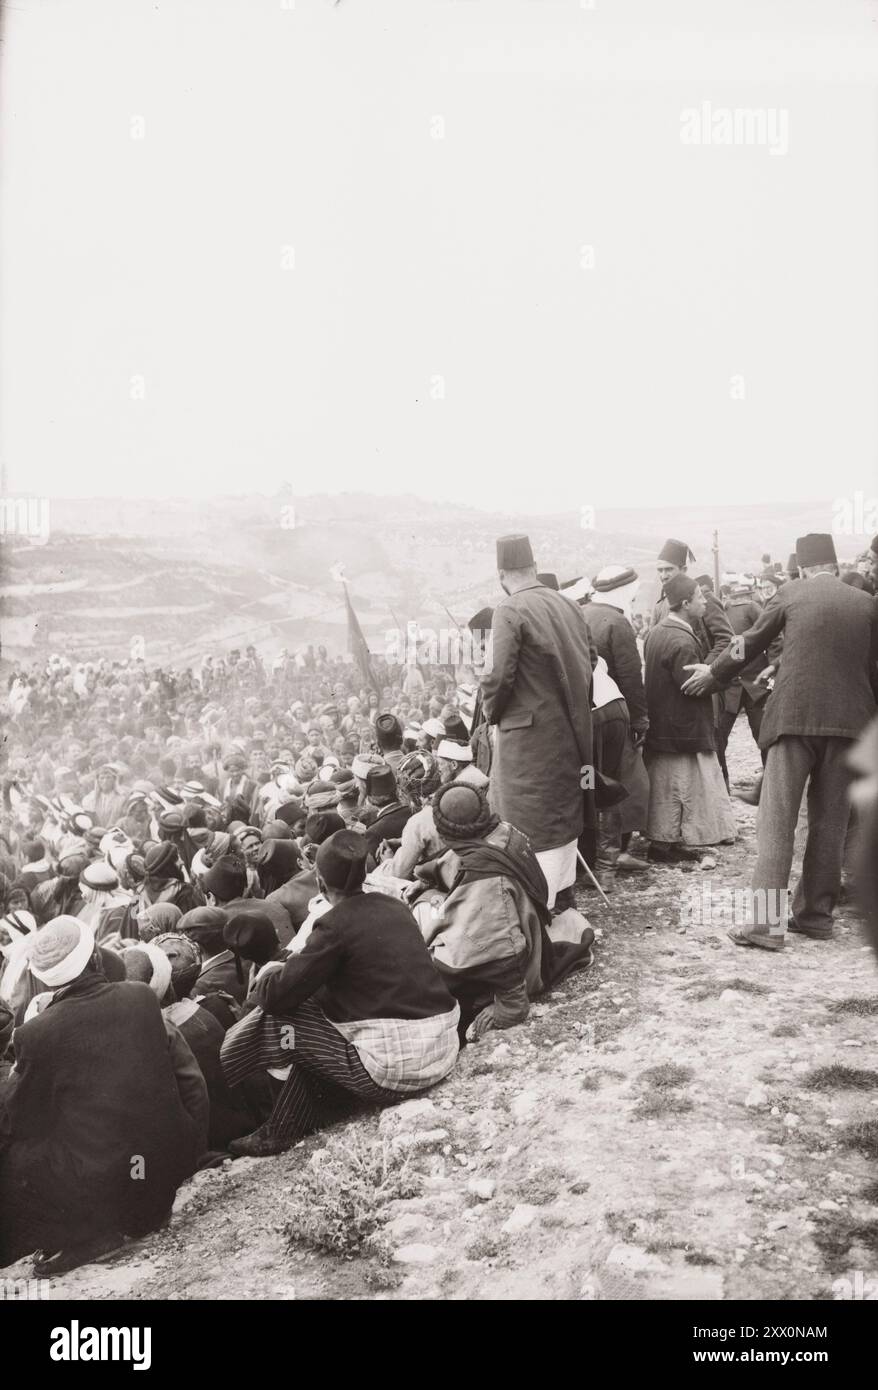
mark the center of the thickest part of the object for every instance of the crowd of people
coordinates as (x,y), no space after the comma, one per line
(238,900)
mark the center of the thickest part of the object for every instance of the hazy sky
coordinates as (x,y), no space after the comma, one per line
(430,171)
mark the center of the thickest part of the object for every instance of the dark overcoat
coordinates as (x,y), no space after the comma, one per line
(95,1135)
(538,693)
(827,681)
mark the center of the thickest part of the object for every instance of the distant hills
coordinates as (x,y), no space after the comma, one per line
(191,576)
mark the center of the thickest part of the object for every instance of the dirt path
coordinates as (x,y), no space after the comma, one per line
(654,1129)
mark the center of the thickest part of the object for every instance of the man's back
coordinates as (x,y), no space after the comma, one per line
(828,681)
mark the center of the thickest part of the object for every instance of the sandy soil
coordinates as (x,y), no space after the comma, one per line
(654,1130)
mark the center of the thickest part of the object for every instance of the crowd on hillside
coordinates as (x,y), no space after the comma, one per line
(237,897)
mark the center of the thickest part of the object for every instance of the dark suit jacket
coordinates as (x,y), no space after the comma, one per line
(827,683)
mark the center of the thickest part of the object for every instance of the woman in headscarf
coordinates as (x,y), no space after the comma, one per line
(159,918)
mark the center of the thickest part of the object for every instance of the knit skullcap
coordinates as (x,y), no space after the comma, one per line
(462,813)
(161,859)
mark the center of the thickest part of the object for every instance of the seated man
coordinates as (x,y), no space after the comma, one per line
(488,937)
(103,1115)
(385,1027)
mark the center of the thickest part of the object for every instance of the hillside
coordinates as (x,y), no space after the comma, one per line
(191,576)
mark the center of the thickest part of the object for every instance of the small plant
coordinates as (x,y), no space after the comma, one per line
(667,1074)
(862,1136)
(838,1077)
(338,1205)
(864,1006)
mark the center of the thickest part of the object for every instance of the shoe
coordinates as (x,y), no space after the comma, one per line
(765,943)
(262,1143)
(659,854)
(684,855)
(629,863)
(793,926)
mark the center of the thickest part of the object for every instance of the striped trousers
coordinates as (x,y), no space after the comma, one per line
(324,1066)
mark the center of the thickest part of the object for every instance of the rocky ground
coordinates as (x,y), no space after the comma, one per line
(685,1120)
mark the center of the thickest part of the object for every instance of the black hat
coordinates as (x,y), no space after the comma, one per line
(676,553)
(704,579)
(514,553)
(380,781)
(227,879)
(817,548)
(290,811)
(456,729)
(793,565)
(873,545)
(321,824)
(481,621)
(679,588)
(252,936)
(205,926)
(341,860)
(549,581)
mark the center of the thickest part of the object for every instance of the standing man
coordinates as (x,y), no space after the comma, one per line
(746,690)
(825,693)
(712,629)
(537,690)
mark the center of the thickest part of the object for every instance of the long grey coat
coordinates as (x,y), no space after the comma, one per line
(538,693)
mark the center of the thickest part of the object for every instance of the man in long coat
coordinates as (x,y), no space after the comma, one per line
(536,689)
(824,695)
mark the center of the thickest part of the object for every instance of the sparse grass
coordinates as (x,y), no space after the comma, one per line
(661,1103)
(786,1030)
(711,989)
(619,1223)
(591,1081)
(837,1078)
(834,1235)
(864,1006)
(667,1074)
(663,1082)
(870,1194)
(383,1277)
(698,1257)
(862,1136)
(541,1187)
(484,1247)
(339,1205)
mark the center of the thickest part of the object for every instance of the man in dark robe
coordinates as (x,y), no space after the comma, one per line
(537,689)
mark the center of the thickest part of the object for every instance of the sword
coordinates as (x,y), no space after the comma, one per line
(594,880)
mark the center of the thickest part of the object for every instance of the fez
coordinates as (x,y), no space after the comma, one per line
(676,553)
(514,553)
(817,548)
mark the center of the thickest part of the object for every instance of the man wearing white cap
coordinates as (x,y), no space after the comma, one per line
(103,1118)
(537,691)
